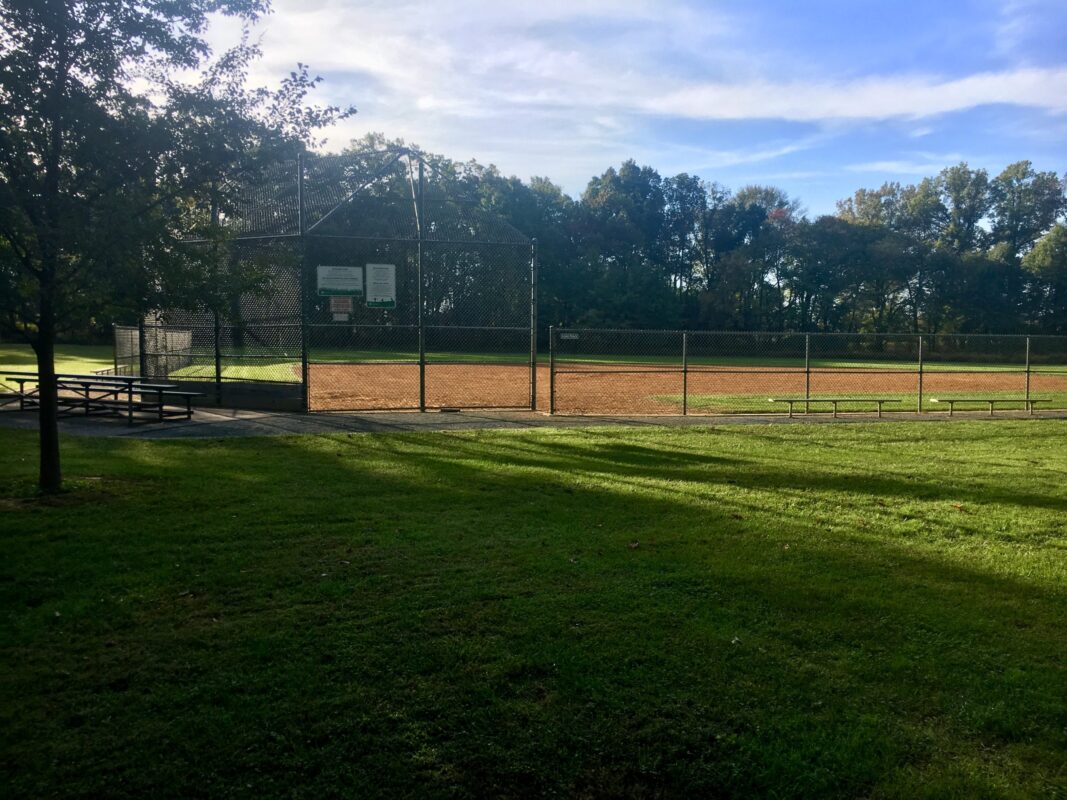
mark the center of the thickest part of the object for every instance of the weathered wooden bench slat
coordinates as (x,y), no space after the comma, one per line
(1027,402)
(792,401)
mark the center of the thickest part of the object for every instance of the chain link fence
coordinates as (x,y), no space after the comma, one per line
(594,371)
(436,308)
(373,288)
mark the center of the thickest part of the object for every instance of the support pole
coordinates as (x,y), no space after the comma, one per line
(142,356)
(418,263)
(551,370)
(305,391)
(807,373)
(919,405)
(533,325)
(1029,407)
(685,373)
(218,360)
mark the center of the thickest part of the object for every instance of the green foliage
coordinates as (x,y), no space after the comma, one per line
(1047,262)
(791,610)
(111,158)
(640,250)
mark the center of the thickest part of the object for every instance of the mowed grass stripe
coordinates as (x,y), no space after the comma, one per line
(807,611)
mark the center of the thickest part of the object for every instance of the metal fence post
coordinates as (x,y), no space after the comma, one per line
(685,373)
(418,264)
(142,356)
(919,405)
(218,361)
(533,325)
(551,370)
(1029,407)
(305,388)
(807,372)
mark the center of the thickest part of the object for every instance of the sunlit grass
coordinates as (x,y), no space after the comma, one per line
(816,611)
(74,358)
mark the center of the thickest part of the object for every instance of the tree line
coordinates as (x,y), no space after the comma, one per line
(959,252)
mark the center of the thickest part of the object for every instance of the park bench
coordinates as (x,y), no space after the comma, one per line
(110,396)
(807,401)
(1027,402)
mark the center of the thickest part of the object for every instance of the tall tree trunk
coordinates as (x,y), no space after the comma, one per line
(50,477)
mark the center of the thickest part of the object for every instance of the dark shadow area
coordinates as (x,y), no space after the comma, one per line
(575,613)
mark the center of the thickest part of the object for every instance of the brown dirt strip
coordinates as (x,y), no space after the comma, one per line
(629,389)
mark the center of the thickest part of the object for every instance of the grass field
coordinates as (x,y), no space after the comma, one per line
(778,611)
(69,357)
(906,402)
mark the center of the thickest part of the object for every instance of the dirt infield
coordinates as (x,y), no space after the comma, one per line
(647,389)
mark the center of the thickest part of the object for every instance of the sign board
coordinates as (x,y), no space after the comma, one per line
(569,336)
(381,285)
(345,281)
(340,307)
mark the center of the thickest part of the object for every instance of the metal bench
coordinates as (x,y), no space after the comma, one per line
(109,396)
(1027,402)
(807,401)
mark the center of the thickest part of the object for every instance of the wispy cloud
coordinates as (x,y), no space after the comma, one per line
(566,87)
(873,98)
(919,164)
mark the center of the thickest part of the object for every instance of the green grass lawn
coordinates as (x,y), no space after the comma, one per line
(778,611)
(75,358)
(906,402)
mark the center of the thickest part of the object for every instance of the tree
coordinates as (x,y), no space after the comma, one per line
(1024,204)
(872,206)
(1047,264)
(965,196)
(99,181)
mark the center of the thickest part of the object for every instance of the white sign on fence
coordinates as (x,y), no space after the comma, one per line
(340,307)
(381,285)
(347,281)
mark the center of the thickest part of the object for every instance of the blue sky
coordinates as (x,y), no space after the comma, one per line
(819,97)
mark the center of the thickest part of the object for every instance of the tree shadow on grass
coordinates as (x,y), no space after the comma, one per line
(495,634)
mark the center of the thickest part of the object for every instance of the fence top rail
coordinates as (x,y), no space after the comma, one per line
(897,335)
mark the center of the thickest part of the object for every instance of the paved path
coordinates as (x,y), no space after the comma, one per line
(217,423)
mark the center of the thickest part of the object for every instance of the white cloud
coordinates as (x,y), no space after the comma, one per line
(869,98)
(920,164)
(565,87)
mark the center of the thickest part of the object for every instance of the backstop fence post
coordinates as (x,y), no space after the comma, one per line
(807,372)
(533,325)
(685,373)
(1029,407)
(305,387)
(919,403)
(218,359)
(418,265)
(551,370)
(142,355)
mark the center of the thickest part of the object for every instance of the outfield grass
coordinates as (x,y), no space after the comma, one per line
(906,402)
(69,357)
(779,611)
